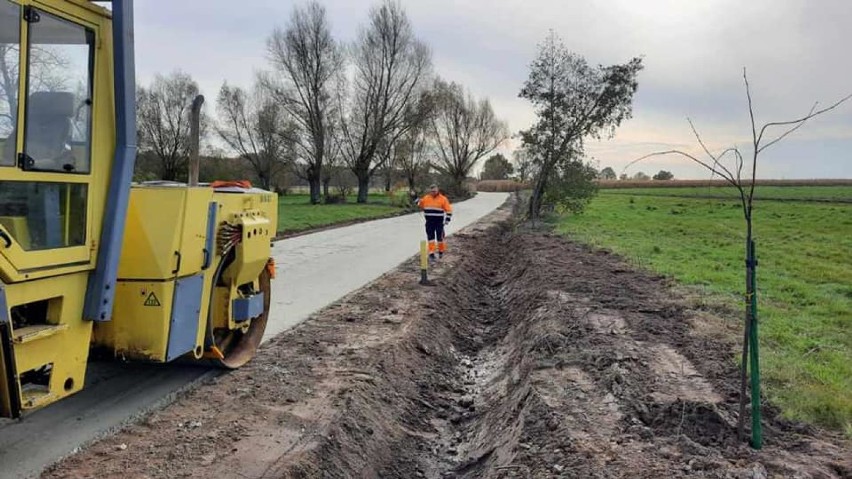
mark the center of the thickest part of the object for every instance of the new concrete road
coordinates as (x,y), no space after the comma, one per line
(313,271)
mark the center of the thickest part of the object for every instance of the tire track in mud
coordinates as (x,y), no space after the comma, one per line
(531,357)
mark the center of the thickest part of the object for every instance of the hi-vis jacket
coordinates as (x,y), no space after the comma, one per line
(435,207)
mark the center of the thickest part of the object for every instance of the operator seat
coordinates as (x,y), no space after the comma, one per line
(48,137)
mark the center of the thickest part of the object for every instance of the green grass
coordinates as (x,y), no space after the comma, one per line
(774,192)
(295,213)
(303,199)
(804,280)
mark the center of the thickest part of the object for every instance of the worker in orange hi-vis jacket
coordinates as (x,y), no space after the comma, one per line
(438,212)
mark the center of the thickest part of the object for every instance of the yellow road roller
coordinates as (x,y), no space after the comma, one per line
(88,260)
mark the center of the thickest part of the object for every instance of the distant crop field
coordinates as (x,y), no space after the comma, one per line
(811,193)
(617,184)
(501,186)
(804,278)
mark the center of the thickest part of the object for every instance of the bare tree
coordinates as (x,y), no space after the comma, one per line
(412,155)
(390,66)
(333,160)
(8,83)
(463,129)
(163,123)
(412,147)
(308,62)
(258,129)
(389,158)
(728,164)
(328,170)
(48,72)
(8,101)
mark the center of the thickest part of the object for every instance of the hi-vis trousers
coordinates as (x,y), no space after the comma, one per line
(435,234)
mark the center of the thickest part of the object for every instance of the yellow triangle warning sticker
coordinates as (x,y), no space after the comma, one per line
(152,300)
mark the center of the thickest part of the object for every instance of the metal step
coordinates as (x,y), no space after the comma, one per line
(38,331)
(34,396)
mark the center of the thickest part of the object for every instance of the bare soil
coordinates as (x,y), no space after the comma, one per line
(532,356)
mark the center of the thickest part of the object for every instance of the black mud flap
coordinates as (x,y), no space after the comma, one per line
(10,394)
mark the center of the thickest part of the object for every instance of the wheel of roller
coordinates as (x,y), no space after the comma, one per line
(237,346)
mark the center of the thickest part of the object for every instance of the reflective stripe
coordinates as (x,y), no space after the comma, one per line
(434,215)
(434,210)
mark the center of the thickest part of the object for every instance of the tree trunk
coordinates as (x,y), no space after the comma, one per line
(388,180)
(411,182)
(325,184)
(754,355)
(537,196)
(169,173)
(458,183)
(314,182)
(363,185)
(265,182)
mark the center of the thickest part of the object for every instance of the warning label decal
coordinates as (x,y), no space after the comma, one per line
(152,300)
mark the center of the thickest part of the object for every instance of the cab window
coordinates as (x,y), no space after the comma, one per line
(59,95)
(42,215)
(37,214)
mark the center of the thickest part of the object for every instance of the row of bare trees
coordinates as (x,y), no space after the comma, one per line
(374,105)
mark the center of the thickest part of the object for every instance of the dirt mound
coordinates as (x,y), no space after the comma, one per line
(532,357)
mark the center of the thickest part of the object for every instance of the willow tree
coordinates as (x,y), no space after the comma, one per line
(258,129)
(463,129)
(573,101)
(308,63)
(163,118)
(390,66)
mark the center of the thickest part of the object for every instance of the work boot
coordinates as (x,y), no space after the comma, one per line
(432,257)
(440,255)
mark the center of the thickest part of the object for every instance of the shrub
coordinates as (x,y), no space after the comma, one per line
(400,198)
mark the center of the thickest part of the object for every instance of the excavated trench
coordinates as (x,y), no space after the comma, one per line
(535,357)
(531,357)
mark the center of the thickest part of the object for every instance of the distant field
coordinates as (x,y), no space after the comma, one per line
(618,184)
(295,213)
(804,278)
(501,186)
(827,193)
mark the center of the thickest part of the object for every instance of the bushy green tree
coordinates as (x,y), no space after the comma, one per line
(497,167)
(607,174)
(572,185)
(573,100)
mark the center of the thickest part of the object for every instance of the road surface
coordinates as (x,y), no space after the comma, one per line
(314,270)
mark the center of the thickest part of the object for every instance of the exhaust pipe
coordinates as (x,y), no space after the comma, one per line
(194,139)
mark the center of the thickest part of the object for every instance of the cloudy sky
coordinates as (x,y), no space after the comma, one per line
(796,51)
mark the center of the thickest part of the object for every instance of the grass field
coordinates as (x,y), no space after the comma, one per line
(804,277)
(295,213)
